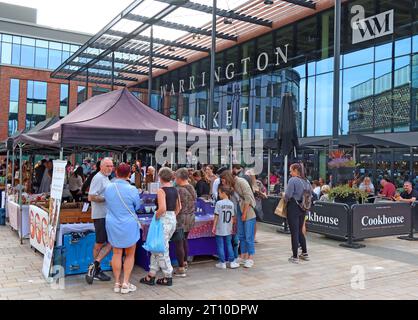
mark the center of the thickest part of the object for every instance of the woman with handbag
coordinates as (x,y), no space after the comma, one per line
(185,219)
(294,194)
(168,206)
(122,226)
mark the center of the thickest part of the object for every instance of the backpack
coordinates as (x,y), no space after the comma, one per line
(307,199)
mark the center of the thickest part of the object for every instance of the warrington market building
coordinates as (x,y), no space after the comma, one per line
(264,49)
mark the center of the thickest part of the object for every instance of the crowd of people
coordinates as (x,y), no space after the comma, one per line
(236,194)
(113,193)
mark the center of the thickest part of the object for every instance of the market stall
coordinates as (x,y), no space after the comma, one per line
(116,121)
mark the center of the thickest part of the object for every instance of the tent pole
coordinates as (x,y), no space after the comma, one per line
(268,170)
(13,167)
(20,192)
(7,176)
(62,154)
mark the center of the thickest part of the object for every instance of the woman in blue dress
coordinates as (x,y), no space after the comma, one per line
(122,226)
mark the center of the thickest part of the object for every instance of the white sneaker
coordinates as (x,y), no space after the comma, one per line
(117,288)
(127,288)
(234,265)
(239,261)
(221,265)
(249,264)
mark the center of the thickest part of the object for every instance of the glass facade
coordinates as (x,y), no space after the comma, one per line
(63,100)
(34,53)
(81,94)
(379,81)
(13,106)
(36,103)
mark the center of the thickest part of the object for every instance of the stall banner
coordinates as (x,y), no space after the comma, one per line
(381,220)
(39,219)
(57,186)
(329,219)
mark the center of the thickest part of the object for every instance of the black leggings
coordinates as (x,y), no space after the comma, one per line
(296,219)
(182,250)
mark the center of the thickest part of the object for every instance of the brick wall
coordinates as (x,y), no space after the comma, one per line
(53,94)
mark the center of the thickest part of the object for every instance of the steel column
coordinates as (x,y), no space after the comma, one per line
(151,53)
(7,183)
(113,71)
(337,57)
(87,84)
(212,69)
(336,84)
(69,94)
(20,193)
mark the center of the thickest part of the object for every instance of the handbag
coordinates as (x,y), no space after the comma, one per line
(281,209)
(127,208)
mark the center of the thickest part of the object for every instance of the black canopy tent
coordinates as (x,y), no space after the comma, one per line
(117,122)
(113,119)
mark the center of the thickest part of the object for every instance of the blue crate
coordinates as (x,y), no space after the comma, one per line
(2,217)
(78,252)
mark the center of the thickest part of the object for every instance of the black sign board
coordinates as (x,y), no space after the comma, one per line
(381,219)
(329,219)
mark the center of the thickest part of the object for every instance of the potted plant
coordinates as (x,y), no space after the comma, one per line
(348,195)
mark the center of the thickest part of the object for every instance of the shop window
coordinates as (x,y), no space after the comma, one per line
(36,103)
(27,56)
(63,100)
(324,105)
(358,99)
(13,106)
(81,94)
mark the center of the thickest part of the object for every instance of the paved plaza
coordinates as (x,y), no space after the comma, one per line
(388,266)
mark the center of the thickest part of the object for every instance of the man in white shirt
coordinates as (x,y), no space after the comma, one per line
(98,213)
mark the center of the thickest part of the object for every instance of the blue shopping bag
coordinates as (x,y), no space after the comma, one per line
(155,238)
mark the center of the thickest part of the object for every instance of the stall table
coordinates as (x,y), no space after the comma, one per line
(21,225)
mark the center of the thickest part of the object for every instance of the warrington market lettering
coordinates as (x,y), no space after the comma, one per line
(262,62)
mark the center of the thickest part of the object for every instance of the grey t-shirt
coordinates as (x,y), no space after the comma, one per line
(97,188)
(225,211)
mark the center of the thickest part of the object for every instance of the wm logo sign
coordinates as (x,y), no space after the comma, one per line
(365,29)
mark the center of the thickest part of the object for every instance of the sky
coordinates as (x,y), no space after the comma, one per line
(87,16)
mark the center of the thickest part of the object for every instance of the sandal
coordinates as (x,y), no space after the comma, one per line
(180,272)
(165,282)
(127,288)
(148,280)
(117,287)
